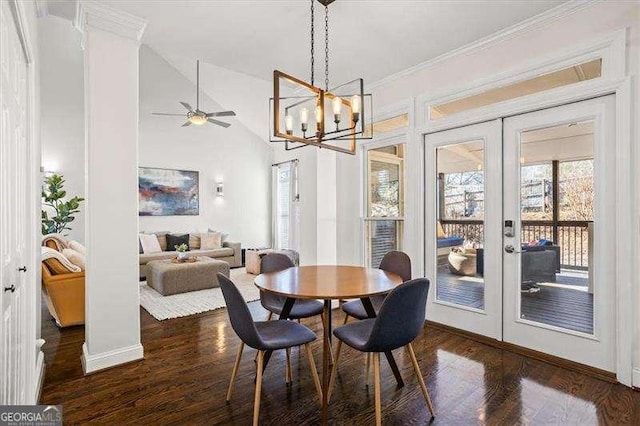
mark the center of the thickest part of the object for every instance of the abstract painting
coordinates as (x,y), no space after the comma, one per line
(166,192)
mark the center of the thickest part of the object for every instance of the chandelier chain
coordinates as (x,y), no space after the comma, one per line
(312,44)
(326,47)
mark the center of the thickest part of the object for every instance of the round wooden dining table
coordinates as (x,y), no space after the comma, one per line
(329,282)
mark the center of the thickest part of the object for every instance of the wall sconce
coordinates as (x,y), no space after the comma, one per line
(46,173)
(219,189)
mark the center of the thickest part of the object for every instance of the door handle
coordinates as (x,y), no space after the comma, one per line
(12,289)
(510,249)
(22,269)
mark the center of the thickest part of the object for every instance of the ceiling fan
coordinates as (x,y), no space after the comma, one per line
(195,116)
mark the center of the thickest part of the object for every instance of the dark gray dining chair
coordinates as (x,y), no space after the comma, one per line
(302,308)
(394,261)
(263,336)
(274,262)
(398,323)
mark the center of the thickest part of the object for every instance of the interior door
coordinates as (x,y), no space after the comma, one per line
(463,210)
(14,330)
(559,285)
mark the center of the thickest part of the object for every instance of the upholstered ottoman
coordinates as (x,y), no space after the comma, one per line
(253,258)
(167,277)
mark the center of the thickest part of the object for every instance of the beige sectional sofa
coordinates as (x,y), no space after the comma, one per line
(230,252)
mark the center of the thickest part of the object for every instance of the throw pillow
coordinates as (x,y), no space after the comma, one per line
(211,240)
(150,243)
(75,257)
(224,234)
(162,240)
(74,245)
(441,233)
(174,240)
(194,241)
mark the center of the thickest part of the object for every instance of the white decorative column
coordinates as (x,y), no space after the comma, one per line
(111,41)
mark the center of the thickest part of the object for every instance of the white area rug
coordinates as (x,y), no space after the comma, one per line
(194,302)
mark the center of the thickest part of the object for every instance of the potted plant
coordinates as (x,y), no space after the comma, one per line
(53,196)
(182,251)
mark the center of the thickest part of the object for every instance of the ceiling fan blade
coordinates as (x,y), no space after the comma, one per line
(187,106)
(219,123)
(166,113)
(188,123)
(222,114)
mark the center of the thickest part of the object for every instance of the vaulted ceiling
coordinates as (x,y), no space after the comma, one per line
(372,39)
(241,42)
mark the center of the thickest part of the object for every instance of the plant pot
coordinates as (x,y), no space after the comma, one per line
(183,255)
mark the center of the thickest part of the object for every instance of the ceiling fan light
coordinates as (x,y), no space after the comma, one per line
(197,120)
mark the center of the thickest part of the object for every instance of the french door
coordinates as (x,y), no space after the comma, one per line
(519,230)
(559,195)
(463,210)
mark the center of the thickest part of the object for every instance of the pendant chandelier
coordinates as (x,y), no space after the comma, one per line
(303,114)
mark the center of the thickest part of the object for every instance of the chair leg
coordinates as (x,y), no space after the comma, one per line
(314,372)
(234,372)
(376,382)
(423,387)
(287,374)
(256,401)
(346,319)
(367,368)
(334,371)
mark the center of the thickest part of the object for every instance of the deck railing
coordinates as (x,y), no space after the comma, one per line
(571,235)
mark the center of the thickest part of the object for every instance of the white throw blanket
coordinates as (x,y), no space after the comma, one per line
(60,241)
(49,253)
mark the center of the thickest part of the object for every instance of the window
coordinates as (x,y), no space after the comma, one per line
(385,202)
(571,75)
(285,205)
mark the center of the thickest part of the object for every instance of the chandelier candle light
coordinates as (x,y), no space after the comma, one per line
(294,100)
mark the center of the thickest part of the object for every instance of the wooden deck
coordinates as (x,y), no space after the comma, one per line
(565,303)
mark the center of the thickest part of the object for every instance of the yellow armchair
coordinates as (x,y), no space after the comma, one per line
(64,294)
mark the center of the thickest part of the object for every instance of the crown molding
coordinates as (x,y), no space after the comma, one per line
(537,21)
(91,14)
(42,8)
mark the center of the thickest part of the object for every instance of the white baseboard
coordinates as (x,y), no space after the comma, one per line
(96,362)
(40,366)
(636,378)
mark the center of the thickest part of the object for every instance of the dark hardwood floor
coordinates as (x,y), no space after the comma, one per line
(185,373)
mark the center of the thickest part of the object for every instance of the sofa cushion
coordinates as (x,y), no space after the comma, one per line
(219,252)
(149,243)
(211,240)
(194,241)
(174,240)
(79,247)
(145,257)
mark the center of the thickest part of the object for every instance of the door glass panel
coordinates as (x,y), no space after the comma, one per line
(557,221)
(460,225)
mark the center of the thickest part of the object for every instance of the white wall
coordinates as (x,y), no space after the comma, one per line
(234,156)
(62,108)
